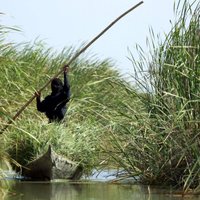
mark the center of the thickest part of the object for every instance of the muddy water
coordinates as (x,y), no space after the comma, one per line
(96,188)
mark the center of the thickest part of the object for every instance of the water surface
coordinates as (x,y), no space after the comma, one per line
(88,191)
(97,187)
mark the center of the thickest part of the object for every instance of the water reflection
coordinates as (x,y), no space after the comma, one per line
(87,191)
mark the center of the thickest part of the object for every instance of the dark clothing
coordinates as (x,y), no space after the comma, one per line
(54,105)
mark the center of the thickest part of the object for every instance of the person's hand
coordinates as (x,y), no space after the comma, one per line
(66,68)
(38,94)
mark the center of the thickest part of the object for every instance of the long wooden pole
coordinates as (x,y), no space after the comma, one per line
(72,59)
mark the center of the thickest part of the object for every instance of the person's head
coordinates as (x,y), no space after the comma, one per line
(56,85)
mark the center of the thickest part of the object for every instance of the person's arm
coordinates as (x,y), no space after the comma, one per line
(40,105)
(66,87)
(66,81)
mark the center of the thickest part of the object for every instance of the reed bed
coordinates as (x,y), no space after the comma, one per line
(162,145)
(96,89)
(150,130)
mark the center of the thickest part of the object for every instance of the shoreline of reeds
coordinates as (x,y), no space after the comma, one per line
(151,132)
(163,146)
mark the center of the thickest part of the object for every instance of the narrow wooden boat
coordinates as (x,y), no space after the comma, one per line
(52,166)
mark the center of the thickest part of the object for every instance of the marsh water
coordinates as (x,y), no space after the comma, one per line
(96,188)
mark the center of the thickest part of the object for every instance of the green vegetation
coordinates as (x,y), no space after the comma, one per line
(152,133)
(162,146)
(96,88)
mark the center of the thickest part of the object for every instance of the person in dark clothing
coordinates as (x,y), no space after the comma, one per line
(54,105)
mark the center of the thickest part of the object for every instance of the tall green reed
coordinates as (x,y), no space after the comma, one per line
(161,145)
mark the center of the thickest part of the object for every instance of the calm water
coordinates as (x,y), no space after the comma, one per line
(97,189)
(86,191)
